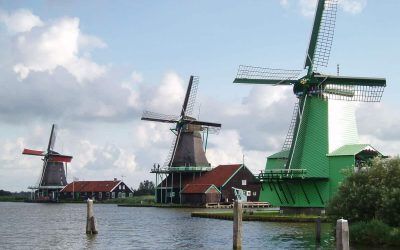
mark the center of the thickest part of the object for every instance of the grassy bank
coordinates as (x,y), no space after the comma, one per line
(135,200)
(272,216)
(12,198)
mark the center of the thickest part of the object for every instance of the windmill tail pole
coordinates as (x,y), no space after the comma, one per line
(90,222)
(237,225)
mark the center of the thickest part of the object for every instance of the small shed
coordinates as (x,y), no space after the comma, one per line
(198,194)
(226,177)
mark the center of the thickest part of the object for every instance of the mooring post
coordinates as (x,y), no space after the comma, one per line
(342,235)
(318,230)
(90,222)
(237,225)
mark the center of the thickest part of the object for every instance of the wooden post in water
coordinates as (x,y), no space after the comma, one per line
(90,222)
(318,230)
(342,235)
(237,225)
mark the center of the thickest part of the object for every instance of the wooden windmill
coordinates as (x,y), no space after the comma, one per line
(322,138)
(53,175)
(186,158)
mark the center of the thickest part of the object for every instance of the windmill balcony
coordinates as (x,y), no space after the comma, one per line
(181,169)
(274,174)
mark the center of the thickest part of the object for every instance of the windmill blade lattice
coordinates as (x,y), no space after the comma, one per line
(322,34)
(251,74)
(359,89)
(358,93)
(153,116)
(289,136)
(192,96)
(172,150)
(52,140)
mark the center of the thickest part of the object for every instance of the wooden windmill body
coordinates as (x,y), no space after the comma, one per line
(187,156)
(53,175)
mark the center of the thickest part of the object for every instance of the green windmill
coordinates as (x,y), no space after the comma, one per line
(322,139)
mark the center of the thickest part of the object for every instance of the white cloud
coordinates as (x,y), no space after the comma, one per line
(353,6)
(307,7)
(20,21)
(226,148)
(284,3)
(169,95)
(56,44)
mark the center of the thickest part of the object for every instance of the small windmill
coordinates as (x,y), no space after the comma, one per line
(322,138)
(53,174)
(187,153)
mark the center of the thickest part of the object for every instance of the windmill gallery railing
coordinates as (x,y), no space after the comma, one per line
(180,169)
(274,174)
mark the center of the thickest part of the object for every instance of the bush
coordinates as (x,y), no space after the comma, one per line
(374,232)
(371,193)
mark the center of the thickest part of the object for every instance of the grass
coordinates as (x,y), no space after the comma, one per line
(260,215)
(11,198)
(135,200)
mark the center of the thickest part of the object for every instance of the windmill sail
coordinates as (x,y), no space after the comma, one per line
(192,96)
(187,147)
(322,35)
(259,75)
(52,139)
(157,117)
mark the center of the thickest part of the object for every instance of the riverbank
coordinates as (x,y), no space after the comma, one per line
(259,215)
(12,199)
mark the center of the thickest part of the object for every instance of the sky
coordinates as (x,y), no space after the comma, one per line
(92,67)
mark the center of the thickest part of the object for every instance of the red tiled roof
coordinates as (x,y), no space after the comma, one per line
(218,176)
(196,188)
(90,186)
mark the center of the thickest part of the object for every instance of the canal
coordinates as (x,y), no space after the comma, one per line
(62,226)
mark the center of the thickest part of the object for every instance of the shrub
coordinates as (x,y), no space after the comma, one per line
(371,193)
(374,232)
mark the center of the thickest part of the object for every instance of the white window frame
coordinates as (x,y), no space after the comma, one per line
(244,182)
(112,195)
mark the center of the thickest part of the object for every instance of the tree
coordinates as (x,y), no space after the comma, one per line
(373,192)
(145,188)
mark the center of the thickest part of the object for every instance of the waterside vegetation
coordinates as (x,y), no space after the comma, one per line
(370,199)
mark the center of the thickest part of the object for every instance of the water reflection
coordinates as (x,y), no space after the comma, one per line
(62,226)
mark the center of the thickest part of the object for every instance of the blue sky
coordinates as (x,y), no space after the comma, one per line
(141,52)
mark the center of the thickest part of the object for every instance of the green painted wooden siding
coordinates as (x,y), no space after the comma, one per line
(312,140)
(269,194)
(337,165)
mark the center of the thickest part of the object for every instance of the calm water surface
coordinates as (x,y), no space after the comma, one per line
(62,226)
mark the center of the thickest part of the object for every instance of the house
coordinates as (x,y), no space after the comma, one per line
(198,194)
(224,178)
(99,190)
